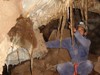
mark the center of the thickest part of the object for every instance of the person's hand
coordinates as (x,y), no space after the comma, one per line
(74,29)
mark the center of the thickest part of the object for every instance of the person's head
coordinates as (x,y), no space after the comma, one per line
(82,28)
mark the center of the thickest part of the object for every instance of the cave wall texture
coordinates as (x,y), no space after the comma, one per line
(11,9)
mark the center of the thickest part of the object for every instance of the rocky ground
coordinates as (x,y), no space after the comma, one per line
(46,65)
(42,66)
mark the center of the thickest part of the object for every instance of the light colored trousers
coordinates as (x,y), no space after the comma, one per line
(84,68)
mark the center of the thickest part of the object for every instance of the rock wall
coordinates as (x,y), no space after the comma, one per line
(9,11)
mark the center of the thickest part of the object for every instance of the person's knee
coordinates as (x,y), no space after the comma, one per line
(65,68)
(64,65)
(85,67)
(89,64)
(59,67)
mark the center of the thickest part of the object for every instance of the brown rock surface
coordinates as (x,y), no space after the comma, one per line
(43,66)
(97,65)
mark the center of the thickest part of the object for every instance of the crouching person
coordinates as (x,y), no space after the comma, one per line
(79,63)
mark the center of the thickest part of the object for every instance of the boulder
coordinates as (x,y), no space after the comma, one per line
(44,66)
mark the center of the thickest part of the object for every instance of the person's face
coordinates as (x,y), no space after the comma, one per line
(81,30)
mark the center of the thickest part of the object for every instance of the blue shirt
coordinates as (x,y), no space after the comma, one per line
(78,52)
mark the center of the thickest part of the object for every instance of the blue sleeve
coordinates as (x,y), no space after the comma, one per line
(84,42)
(56,44)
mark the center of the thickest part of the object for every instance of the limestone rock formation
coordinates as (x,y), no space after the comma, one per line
(44,66)
(93,5)
(9,12)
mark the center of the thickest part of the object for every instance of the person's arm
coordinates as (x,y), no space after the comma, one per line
(85,42)
(56,44)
